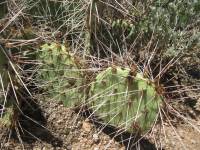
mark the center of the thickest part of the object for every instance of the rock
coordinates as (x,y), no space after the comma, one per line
(96,148)
(44,148)
(36,148)
(96,138)
(69,147)
(86,126)
(79,124)
(197,106)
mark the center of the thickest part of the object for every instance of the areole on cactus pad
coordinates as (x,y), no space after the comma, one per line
(125,99)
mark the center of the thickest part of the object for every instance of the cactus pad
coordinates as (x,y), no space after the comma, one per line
(59,74)
(125,101)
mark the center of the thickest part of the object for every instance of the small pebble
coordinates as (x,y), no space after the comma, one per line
(86,126)
(96,138)
(96,148)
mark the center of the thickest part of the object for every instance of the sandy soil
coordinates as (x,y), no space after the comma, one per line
(62,129)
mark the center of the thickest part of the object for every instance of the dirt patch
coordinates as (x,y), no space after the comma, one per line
(65,130)
(183,137)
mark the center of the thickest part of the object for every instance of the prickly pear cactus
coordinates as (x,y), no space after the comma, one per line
(119,96)
(124,100)
(59,74)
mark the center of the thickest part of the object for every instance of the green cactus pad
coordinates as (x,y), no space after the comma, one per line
(127,102)
(59,74)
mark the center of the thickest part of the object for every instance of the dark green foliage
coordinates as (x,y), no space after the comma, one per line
(48,11)
(3,8)
(170,26)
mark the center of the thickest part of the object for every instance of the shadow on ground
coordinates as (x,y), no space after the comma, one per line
(32,125)
(130,141)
